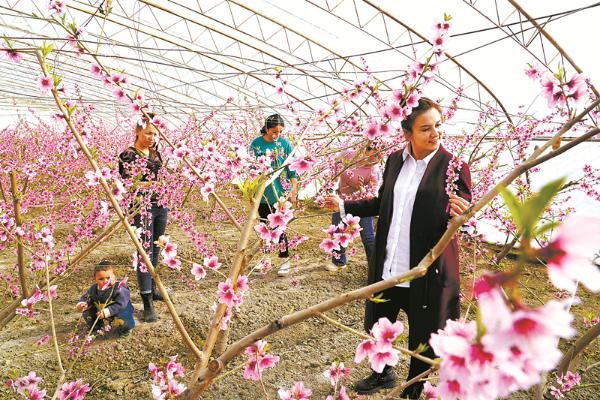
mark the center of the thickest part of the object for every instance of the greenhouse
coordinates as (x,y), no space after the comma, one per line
(305,199)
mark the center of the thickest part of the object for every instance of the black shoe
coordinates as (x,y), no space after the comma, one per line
(157,296)
(124,333)
(149,313)
(375,382)
(413,391)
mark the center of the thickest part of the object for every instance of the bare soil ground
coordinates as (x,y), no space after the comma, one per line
(118,368)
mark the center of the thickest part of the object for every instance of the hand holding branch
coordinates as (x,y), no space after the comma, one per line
(458,205)
(332,202)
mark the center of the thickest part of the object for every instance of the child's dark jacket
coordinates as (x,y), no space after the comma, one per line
(115,299)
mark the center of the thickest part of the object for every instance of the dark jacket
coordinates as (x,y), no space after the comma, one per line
(128,158)
(117,298)
(130,166)
(434,297)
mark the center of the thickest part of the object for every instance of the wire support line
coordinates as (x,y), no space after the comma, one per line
(558,15)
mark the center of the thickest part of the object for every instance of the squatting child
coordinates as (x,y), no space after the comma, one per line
(107,300)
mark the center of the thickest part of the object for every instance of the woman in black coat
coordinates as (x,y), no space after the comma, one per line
(414,211)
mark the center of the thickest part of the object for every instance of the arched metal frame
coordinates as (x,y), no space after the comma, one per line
(231,47)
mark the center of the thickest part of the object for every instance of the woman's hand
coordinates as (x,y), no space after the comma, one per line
(458,205)
(81,306)
(361,182)
(332,202)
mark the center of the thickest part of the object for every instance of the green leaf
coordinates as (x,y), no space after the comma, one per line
(560,75)
(378,299)
(57,79)
(447,17)
(534,207)
(546,227)
(249,187)
(514,206)
(93,152)
(7,41)
(480,325)
(421,348)
(71,110)
(46,49)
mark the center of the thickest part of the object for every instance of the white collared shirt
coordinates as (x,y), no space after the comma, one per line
(397,259)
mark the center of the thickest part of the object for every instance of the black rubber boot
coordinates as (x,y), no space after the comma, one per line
(155,293)
(149,313)
(413,391)
(158,297)
(377,381)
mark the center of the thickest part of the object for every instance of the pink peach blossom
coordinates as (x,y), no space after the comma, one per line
(43,340)
(298,392)
(276,220)
(74,390)
(242,283)
(169,250)
(45,84)
(576,241)
(57,7)
(120,95)
(429,391)
(301,165)
(226,293)
(198,271)
(383,354)
(96,70)
(172,262)
(11,54)
(212,262)
(263,231)
(386,332)
(364,350)
(329,245)
(335,372)
(92,177)
(258,360)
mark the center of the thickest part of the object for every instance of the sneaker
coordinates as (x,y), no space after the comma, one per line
(284,269)
(375,382)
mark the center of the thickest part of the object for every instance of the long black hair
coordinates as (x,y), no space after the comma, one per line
(272,121)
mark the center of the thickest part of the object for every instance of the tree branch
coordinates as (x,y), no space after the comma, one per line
(14,187)
(576,348)
(398,389)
